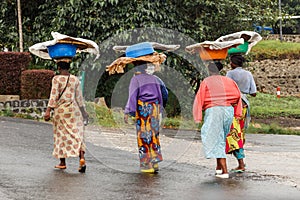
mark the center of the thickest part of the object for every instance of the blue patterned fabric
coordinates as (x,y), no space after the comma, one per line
(147,127)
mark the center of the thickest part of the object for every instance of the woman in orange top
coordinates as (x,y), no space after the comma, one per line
(216,97)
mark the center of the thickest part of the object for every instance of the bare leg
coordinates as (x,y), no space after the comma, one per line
(219,167)
(150,166)
(81,155)
(239,154)
(223,164)
(148,169)
(62,162)
(82,166)
(241,164)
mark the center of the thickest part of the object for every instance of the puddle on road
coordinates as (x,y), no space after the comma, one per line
(248,186)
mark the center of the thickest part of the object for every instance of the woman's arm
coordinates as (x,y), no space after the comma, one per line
(52,100)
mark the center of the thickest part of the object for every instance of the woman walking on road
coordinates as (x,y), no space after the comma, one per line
(217,97)
(68,107)
(246,84)
(145,101)
(145,104)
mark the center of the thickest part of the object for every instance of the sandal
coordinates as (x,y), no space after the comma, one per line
(60,167)
(237,170)
(82,166)
(151,170)
(155,167)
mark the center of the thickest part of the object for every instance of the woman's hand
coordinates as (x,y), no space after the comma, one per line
(47,115)
(126,118)
(85,115)
(239,118)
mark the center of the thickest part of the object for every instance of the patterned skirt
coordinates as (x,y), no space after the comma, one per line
(68,131)
(236,137)
(147,127)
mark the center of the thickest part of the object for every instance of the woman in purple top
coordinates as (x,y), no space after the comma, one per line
(145,103)
(143,87)
(147,95)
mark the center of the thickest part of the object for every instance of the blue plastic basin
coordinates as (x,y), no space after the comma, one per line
(139,49)
(62,50)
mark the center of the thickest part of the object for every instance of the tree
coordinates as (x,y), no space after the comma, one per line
(291,7)
(20,26)
(100,20)
(8,25)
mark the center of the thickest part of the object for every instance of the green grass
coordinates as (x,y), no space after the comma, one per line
(178,122)
(271,129)
(263,105)
(269,106)
(100,115)
(7,113)
(274,49)
(10,113)
(266,105)
(106,117)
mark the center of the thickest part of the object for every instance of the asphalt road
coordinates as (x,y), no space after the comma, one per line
(27,168)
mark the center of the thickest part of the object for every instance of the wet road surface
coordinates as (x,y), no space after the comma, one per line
(27,169)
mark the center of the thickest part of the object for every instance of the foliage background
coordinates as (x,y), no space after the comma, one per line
(101,19)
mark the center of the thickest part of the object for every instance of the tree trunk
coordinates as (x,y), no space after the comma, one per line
(20,26)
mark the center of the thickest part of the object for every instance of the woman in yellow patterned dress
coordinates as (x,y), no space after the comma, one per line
(68,107)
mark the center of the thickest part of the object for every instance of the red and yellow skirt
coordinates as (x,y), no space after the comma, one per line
(235,139)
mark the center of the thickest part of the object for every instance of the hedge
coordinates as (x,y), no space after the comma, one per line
(11,66)
(36,84)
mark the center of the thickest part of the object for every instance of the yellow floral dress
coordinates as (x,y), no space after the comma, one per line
(68,125)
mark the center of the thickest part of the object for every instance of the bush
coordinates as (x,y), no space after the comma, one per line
(11,66)
(36,84)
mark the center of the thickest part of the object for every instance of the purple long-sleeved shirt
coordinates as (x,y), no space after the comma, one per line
(144,87)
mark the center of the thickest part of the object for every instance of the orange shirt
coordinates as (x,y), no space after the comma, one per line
(217,90)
